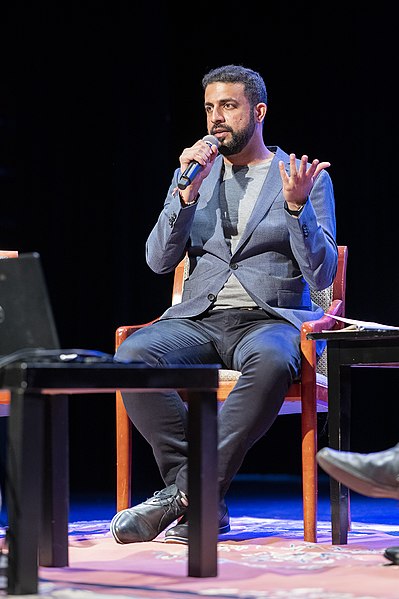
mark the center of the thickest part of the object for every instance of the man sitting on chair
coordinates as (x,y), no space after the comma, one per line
(259,229)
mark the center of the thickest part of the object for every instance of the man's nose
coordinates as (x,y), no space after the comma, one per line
(216,116)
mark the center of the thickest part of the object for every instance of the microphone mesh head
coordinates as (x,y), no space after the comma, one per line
(211,139)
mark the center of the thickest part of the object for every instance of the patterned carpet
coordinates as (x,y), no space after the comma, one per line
(259,559)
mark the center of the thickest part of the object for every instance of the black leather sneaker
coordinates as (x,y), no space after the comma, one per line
(145,521)
(179,533)
(392,553)
(373,474)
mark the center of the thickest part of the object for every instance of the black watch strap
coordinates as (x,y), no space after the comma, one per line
(294,212)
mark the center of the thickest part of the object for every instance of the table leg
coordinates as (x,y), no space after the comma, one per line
(203,484)
(53,546)
(24,489)
(339,407)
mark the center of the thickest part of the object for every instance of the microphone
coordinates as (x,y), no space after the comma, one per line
(194,167)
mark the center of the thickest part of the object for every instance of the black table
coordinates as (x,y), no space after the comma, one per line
(37,457)
(346,350)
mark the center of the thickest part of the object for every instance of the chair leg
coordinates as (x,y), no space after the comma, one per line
(123,455)
(349,514)
(309,468)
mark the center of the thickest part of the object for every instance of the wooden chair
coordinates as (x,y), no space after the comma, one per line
(307,396)
(5,395)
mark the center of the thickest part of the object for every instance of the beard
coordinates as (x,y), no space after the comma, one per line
(239,139)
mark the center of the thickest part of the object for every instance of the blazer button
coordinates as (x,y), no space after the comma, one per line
(211,297)
(233,266)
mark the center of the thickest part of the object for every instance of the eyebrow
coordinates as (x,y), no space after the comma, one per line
(223,101)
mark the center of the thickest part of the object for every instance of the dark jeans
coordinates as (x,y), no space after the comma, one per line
(265,350)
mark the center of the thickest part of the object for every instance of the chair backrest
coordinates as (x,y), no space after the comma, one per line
(326,297)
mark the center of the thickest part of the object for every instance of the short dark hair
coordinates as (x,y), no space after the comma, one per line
(254,86)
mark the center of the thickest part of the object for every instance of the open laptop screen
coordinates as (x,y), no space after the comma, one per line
(26,317)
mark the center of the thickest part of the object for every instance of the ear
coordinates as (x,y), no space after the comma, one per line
(260,112)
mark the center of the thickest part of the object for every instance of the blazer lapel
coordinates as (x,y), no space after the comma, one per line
(209,192)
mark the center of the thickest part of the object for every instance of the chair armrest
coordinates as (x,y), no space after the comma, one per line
(324,323)
(8,254)
(337,307)
(308,346)
(124,331)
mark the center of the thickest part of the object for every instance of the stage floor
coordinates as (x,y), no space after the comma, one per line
(262,557)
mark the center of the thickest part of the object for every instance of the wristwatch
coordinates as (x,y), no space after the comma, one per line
(294,212)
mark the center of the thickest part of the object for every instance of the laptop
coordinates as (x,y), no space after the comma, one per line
(27,325)
(26,317)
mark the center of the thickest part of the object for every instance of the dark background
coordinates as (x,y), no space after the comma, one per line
(96,104)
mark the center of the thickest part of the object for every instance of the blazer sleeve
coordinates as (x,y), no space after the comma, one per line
(167,242)
(312,235)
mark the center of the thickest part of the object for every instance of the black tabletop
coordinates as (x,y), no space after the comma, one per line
(365,334)
(55,375)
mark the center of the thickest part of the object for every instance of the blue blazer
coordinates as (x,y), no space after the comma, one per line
(278,259)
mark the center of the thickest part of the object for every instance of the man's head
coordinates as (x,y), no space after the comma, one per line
(254,86)
(235,106)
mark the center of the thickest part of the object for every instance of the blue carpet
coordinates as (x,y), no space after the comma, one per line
(254,496)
